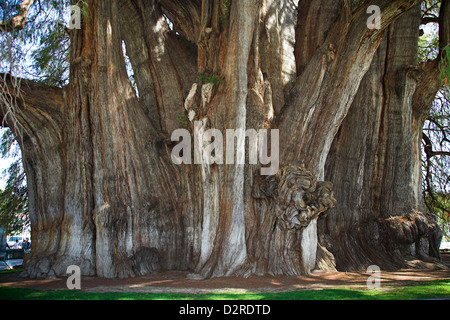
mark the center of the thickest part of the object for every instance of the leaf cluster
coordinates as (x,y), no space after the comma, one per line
(14,213)
(39,51)
(436,131)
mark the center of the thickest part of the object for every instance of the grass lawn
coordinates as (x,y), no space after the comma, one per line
(419,290)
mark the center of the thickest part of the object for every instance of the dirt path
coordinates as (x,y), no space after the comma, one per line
(180,283)
(171,281)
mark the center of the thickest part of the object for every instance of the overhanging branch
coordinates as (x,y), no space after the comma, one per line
(429,148)
(35,104)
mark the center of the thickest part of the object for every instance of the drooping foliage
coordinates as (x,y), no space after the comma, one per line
(14,214)
(436,131)
(39,50)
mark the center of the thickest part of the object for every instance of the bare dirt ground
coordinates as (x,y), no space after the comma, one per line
(179,282)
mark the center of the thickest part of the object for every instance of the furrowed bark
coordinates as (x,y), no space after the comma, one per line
(316,103)
(37,121)
(117,193)
(106,195)
(229,253)
(378,193)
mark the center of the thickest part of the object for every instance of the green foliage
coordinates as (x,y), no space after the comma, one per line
(183,120)
(428,46)
(444,65)
(52,57)
(39,51)
(436,131)
(14,214)
(224,12)
(84,6)
(216,80)
(439,204)
(429,41)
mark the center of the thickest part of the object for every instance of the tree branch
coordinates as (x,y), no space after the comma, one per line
(426,89)
(429,84)
(427,20)
(317,99)
(36,105)
(440,127)
(441,153)
(18,21)
(429,148)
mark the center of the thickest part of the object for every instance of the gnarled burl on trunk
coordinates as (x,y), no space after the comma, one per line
(104,193)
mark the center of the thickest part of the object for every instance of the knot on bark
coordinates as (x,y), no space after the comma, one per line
(409,228)
(295,196)
(417,232)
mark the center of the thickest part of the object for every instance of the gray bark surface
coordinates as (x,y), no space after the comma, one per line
(105,194)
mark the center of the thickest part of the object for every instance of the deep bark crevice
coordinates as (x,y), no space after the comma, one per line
(105,194)
(377,219)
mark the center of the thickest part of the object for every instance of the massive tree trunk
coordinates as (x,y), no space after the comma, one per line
(105,193)
(375,160)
